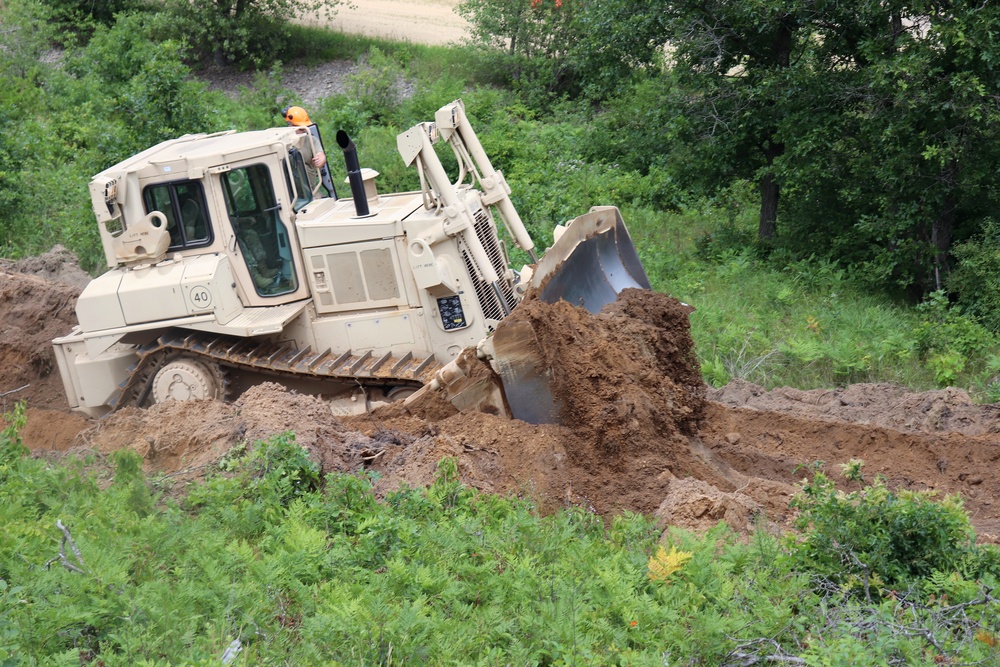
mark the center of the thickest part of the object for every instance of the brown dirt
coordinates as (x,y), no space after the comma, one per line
(37,300)
(643,433)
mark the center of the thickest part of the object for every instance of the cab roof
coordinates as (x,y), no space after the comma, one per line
(204,150)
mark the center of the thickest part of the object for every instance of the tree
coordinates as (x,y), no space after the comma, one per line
(246,32)
(869,127)
(761,75)
(906,167)
(536,38)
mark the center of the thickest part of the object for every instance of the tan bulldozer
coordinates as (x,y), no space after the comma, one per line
(232,261)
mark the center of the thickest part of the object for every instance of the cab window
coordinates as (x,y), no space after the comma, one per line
(183,203)
(260,234)
(300,178)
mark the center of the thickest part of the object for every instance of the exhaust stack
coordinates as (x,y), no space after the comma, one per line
(354,174)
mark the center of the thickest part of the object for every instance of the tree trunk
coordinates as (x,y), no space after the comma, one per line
(944,223)
(768,208)
(769,194)
(781,52)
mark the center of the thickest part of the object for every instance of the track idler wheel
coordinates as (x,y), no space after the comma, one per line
(188,380)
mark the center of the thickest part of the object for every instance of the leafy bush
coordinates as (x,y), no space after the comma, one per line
(11,447)
(249,33)
(976,279)
(144,82)
(83,15)
(530,43)
(874,539)
(947,339)
(376,86)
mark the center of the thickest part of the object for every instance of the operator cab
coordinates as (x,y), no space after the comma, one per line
(228,195)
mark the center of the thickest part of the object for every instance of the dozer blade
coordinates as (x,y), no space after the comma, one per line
(590,263)
(519,360)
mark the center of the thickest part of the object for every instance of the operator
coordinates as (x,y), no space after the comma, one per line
(298,117)
(263,274)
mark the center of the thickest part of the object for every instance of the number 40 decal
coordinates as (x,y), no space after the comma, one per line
(201,297)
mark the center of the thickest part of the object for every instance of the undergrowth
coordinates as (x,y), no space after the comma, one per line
(268,558)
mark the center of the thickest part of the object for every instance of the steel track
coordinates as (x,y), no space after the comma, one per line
(275,358)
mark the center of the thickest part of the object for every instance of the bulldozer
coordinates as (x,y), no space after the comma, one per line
(232,261)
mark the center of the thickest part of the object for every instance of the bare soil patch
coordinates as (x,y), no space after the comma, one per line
(643,433)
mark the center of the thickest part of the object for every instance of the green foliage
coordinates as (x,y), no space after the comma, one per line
(529,42)
(271,475)
(375,86)
(11,447)
(144,81)
(874,539)
(328,574)
(976,280)
(25,35)
(84,15)
(249,33)
(947,338)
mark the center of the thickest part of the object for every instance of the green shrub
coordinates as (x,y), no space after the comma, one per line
(875,539)
(976,279)
(376,86)
(11,447)
(84,15)
(250,33)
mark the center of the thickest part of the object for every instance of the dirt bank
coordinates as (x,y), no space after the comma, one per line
(644,434)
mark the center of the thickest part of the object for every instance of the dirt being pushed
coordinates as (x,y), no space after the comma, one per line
(630,396)
(626,378)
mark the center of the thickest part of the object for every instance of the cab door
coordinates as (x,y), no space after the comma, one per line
(262,241)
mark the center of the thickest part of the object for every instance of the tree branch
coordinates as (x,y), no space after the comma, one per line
(81,568)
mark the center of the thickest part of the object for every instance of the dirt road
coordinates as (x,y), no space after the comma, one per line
(419,21)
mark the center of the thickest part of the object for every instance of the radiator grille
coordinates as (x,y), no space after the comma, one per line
(493,307)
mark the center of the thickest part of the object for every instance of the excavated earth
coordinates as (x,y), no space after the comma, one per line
(643,432)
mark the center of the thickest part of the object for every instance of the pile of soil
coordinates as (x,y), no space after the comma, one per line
(643,433)
(37,303)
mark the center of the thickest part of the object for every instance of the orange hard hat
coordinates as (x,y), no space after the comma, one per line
(297,116)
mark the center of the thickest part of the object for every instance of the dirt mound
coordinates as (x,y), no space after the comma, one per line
(33,311)
(884,405)
(37,303)
(698,506)
(58,264)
